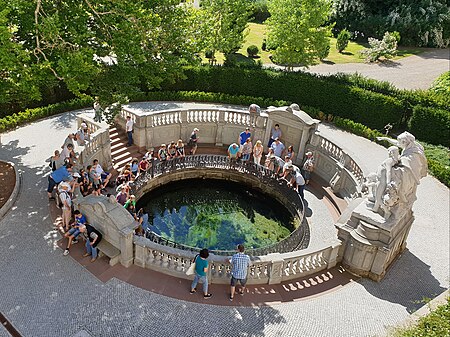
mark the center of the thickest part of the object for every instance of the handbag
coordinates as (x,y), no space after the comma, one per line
(191,269)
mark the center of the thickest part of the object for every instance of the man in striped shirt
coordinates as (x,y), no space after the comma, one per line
(239,266)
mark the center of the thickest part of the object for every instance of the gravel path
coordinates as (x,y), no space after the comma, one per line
(412,72)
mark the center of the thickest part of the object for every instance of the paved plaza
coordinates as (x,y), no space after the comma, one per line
(43,293)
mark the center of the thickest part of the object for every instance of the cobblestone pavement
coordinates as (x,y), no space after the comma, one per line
(412,72)
(44,293)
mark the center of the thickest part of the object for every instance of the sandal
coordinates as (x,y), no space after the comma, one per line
(231,298)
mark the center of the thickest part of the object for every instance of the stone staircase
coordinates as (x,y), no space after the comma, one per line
(120,153)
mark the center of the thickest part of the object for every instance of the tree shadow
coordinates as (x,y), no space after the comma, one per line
(328,62)
(65,120)
(408,282)
(388,63)
(349,53)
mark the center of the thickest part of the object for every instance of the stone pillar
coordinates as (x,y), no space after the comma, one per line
(185,132)
(126,247)
(220,126)
(276,268)
(302,145)
(333,257)
(141,255)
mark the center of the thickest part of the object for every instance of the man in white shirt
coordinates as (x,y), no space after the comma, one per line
(129,130)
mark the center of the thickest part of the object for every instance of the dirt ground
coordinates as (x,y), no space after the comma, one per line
(7,182)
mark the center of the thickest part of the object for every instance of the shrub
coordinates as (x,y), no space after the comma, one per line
(431,125)
(386,48)
(342,40)
(209,54)
(259,11)
(30,115)
(324,52)
(441,85)
(252,50)
(373,109)
(264,45)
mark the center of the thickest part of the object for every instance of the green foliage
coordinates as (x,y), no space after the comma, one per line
(224,23)
(259,11)
(297,31)
(30,115)
(435,324)
(342,40)
(209,54)
(420,22)
(431,125)
(373,109)
(252,50)
(386,48)
(106,48)
(441,85)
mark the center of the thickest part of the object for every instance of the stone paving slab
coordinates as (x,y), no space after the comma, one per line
(44,293)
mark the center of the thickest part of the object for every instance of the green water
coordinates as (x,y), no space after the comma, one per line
(216,215)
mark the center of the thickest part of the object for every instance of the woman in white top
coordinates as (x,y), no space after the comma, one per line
(258,152)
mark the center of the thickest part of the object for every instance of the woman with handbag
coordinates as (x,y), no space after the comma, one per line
(201,268)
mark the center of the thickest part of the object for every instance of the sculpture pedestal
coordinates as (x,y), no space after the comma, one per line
(371,243)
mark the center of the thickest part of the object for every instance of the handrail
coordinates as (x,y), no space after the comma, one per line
(294,241)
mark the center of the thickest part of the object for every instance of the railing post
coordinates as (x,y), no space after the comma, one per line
(219,129)
(275,268)
(334,250)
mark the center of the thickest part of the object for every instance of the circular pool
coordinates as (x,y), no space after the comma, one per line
(216,214)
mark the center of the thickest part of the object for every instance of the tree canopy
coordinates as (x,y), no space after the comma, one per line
(297,33)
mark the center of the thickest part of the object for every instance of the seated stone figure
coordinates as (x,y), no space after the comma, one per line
(398,176)
(384,175)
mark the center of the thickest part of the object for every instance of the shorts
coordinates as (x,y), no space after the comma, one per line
(75,232)
(104,175)
(234,281)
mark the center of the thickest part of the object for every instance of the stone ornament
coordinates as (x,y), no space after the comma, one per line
(392,190)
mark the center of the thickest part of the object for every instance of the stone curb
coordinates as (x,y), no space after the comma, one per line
(423,311)
(430,306)
(12,199)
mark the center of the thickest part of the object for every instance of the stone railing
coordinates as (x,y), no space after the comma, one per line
(218,126)
(97,146)
(213,165)
(336,167)
(268,269)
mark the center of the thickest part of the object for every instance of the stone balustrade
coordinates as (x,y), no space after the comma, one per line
(97,146)
(336,167)
(219,126)
(268,269)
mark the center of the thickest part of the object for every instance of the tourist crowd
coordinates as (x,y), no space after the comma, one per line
(70,179)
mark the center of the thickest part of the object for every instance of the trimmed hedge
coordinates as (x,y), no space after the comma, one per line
(30,115)
(431,124)
(370,108)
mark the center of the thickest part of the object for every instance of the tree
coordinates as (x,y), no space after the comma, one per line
(224,24)
(112,49)
(420,22)
(297,32)
(342,40)
(386,48)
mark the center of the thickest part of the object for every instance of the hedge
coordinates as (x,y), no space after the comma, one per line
(431,124)
(372,109)
(437,164)
(30,115)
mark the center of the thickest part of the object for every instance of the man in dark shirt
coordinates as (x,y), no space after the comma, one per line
(93,238)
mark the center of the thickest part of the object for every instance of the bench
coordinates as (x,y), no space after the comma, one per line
(105,248)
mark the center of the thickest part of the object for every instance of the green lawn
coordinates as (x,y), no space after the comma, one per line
(256,33)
